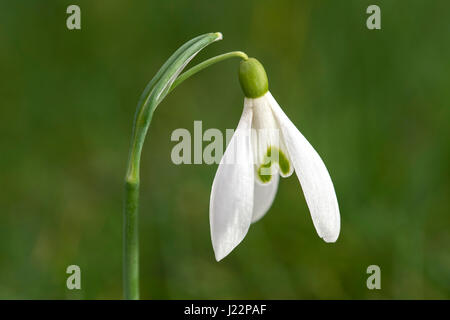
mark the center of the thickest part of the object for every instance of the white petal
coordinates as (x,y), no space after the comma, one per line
(269,152)
(231,202)
(264,195)
(314,178)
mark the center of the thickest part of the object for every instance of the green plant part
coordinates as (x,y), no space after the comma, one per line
(274,157)
(165,80)
(253,78)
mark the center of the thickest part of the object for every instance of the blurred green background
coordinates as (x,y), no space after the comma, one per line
(374,104)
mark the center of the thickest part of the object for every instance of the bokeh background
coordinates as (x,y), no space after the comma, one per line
(375,105)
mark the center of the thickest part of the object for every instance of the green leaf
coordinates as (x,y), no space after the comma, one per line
(156,91)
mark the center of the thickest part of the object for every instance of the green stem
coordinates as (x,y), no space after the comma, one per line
(131,243)
(154,93)
(205,64)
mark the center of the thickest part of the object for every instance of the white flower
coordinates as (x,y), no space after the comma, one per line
(266,144)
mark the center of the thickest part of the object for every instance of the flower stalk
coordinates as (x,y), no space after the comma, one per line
(166,79)
(207,63)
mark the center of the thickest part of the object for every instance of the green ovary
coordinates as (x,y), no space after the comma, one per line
(253,78)
(264,171)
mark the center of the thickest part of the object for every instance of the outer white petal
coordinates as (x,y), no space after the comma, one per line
(264,195)
(231,202)
(313,175)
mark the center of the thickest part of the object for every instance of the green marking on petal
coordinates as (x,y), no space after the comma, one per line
(283,162)
(265,172)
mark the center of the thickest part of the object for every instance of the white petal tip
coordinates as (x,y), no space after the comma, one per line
(219,36)
(330,239)
(218,258)
(221,253)
(330,236)
(224,247)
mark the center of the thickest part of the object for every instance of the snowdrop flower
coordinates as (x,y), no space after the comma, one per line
(266,145)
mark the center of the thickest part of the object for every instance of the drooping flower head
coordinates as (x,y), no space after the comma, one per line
(265,146)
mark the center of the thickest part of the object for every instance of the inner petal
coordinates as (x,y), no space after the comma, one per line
(275,161)
(270,153)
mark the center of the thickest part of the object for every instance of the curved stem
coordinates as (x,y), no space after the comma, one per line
(207,63)
(154,93)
